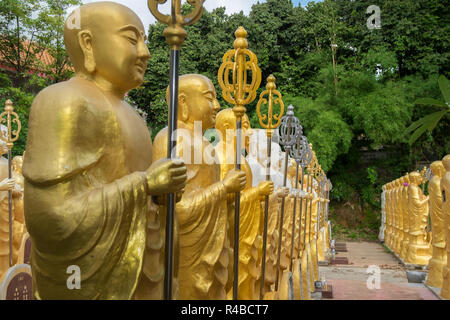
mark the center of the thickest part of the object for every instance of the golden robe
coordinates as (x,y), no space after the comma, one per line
(249,236)
(86,192)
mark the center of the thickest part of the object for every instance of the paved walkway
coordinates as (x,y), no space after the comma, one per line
(350,281)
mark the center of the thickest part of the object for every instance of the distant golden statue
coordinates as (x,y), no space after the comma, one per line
(439,259)
(418,248)
(445,189)
(250,209)
(5,185)
(89,174)
(405,216)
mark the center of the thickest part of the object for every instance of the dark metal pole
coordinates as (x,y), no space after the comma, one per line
(293,220)
(171,151)
(306,210)
(266,217)
(10,213)
(300,218)
(310,207)
(237,205)
(282,218)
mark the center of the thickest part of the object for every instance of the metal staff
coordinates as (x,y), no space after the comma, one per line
(12,136)
(309,188)
(305,161)
(237,64)
(297,154)
(309,193)
(289,129)
(314,170)
(274,97)
(175,35)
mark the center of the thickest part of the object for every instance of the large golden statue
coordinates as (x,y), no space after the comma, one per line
(251,213)
(439,259)
(418,248)
(445,189)
(202,212)
(89,174)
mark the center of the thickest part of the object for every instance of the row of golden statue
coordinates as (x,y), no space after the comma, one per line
(159,220)
(405,225)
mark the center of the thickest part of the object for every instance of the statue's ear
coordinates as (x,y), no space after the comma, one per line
(85,41)
(183,112)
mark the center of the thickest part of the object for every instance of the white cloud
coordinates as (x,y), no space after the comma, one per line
(141,8)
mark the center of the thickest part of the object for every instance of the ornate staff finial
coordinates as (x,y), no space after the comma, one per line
(11,117)
(11,137)
(274,97)
(290,128)
(175,33)
(236,65)
(301,151)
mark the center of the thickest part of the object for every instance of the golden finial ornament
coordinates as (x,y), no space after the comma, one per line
(11,117)
(235,66)
(274,97)
(175,33)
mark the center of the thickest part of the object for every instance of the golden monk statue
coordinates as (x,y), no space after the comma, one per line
(257,160)
(405,217)
(89,174)
(400,209)
(251,214)
(396,216)
(202,212)
(5,185)
(439,258)
(445,189)
(418,247)
(387,234)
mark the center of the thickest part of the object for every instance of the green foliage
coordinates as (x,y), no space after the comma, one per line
(431,121)
(28,28)
(21,103)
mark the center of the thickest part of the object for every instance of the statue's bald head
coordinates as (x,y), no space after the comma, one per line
(226,119)
(189,82)
(446,162)
(437,168)
(96,18)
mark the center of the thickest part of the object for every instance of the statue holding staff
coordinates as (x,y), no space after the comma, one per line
(90,179)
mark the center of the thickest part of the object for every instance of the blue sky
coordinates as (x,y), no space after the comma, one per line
(302,2)
(232,6)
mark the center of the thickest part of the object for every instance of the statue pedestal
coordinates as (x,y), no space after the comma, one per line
(417,252)
(436,266)
(445,292)
(286,286)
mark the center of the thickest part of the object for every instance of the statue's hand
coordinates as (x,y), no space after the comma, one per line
(7,184)
(265,188)
(235,181)
(283,192)
(166,176)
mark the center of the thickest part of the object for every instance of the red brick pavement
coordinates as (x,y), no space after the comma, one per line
(357,290)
